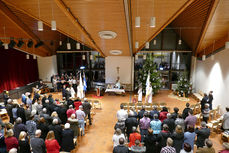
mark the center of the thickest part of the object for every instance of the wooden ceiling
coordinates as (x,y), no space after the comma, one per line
(201,22)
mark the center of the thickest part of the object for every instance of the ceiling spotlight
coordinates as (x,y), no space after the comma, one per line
(12,43)
(6,46)
(147,45)
(20,43)
(40,43)
(27,56)
(53,25)
(136,57)
(154,42)
(30,44)
(137,21)
(1,43)
(69,46)
(203,57)
(180,42)
(152,22)
(77,45)
(83,57)
(40,25)
(136,44)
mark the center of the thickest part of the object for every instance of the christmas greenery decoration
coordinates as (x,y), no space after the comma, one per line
(155,78)
(184,86)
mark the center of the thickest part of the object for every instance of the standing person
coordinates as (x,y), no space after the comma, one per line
(180,121)
(2,142)
(207,148)
(130,122)
(121,148)
(210,99)
(134,136)
(67,139)
(163,114)
(189,136)
(137,148)
(178,138)
(205,113)
(37,144)
(74,124)
(10,140)
(56,128)
(187,148)
(51,143)
(204,101)
(163,136)
(175,114)
(170,122)
(154,111)
(155,125)
(191,119)
(70,111)
(141,113)
(9,108)
(120,125)
(80,116)
(202,134)
(23,142)
(5,97)
(225,122)
(117,135)
(150,142)
(87,109)
(21,113)
(18,127)
(43,126)
(185,111)
(31,127)
(122,114)
(168,148)
(144,125)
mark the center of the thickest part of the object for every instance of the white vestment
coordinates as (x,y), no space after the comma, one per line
(72,92)
(140,94)
(80,93)
(149,95)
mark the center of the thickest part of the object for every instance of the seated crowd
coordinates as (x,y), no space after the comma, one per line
(42,124)
(163,132)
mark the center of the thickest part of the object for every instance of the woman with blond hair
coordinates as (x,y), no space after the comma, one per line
(54,115)
(178,138)
(10,140)
(23,142)
(51,143)
(117,135)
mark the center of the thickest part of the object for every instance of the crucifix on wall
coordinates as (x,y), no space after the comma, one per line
(118,70)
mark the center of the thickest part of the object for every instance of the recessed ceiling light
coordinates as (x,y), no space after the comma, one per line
(107,34)
(115,52)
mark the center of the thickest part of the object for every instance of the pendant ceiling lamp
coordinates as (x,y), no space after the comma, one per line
(147,45)
(154,42)
(137,18)
(204,56)
(91,57)
(144,57)
(60,43)
(39,23)
(77,45)
(69,46)
(27,56)
(136,44)
(83,57)
(153,18)
(53,22)
(180,41)
(136,57)
(34,57)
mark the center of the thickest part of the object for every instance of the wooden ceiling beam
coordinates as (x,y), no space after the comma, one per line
(21,25)
(211,12)
(178,12)
(75,21)
(46,23)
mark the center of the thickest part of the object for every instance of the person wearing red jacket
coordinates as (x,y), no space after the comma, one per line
(134,136)
(163,114)
(10,140)
(51,143)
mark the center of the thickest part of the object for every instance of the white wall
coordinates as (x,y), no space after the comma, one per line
(111,64)
(47,66)
(214,75)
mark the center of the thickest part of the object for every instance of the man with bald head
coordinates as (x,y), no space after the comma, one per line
(37,144)
(121,148)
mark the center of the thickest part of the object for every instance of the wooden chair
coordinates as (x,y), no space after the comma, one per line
(97,104)
(139,106)
(198,116)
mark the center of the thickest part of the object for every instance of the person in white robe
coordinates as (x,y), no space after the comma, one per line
(149,94)
(72,91)
(140,93)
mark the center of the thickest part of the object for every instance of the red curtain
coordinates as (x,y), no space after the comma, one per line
(16,70)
